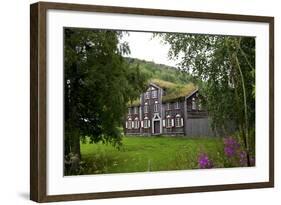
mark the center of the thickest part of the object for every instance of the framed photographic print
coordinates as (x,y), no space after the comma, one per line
(135,102)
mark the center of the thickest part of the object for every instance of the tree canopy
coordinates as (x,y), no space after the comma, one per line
(225,69)
(97,86)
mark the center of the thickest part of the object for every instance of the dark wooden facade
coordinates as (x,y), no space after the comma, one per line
(179,116)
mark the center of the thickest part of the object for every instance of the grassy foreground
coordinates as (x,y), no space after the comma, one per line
(139,154)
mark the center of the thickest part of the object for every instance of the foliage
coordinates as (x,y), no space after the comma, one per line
(97,85)
(233,155)
(231,146)
(159,71)
(225,69)
(162,83)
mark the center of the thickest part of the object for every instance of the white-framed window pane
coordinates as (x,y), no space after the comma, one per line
(193,104)
(177,105)
(145,123)
(178,122)
(136,124)
(146,95)
(130,124)
(145,109)
(154,94)
(168,106)
(169,122)
(156,107)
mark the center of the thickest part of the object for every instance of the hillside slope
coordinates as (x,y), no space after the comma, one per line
(175,82)
(159,71)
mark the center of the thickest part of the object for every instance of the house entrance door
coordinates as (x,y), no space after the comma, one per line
(157,127)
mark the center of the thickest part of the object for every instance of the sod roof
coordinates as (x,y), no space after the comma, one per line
(172,91)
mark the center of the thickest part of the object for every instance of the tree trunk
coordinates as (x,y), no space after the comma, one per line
(66,145)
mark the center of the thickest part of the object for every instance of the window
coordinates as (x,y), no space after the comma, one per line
(178,121)
(168,106)
(156,106)
(135,110)
(145,108)
(146,122)
(169,121)
(129,125)
(146,95)
(193,104)
(177,105)
(129,111)
(137,123)
(154,94)
(200,105)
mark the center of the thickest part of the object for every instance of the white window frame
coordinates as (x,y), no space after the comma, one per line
(146,123)
(178,121)
(146,95)
(177,105)
(129,123)
(156,106)
(136,123)
(169,121)
(135,110)
(129,111)
(145,108)
(154,93)
(168,106)
(193,103)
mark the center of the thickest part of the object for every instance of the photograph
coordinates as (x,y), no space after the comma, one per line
(142,101)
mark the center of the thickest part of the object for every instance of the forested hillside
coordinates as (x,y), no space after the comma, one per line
(152,70)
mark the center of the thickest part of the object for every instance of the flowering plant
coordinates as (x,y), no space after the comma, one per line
(232,155)
(231,146)
(235,153)
(204,161)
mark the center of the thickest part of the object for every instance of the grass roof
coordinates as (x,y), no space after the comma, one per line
(173,91)
(162,83)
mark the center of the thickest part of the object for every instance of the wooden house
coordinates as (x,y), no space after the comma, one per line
(168,109)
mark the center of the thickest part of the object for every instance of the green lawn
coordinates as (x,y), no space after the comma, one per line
(139,154)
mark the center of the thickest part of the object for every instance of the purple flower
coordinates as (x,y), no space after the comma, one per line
(229,151)
(231,146)
(204,161)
